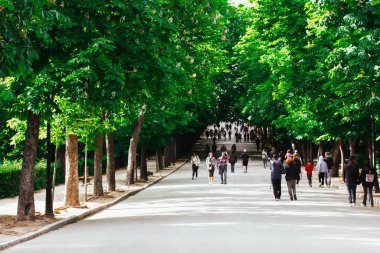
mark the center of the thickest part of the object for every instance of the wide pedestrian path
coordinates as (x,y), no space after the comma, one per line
(183,215)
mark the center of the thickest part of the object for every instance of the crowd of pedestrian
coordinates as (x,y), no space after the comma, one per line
(287,163)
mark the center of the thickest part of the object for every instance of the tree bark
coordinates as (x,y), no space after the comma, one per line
(341,154)
(62,158)
(352,143)
(143,165)
(71,178)
(167,156)
(49,197)
(133,146)
(157,165)
(336,158)
(320,149)
(160,160)
(110,162)
(173,150)
(372,149)
(311,152)
(26,208)
(98,184)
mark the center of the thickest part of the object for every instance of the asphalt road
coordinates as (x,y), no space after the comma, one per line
(184,215)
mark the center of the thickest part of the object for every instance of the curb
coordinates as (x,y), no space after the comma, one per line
(75,218)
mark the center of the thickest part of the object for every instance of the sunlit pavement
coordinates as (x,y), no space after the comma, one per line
(183,215)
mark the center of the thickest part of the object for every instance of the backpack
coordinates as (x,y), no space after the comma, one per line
(369,178)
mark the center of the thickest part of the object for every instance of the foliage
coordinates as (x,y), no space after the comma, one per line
(10,173)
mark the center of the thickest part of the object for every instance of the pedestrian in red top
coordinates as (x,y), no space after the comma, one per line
(309,171)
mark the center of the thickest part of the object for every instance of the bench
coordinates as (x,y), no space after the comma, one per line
(89,178)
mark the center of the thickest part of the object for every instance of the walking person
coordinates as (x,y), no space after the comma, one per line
(264,157)
(195,161)
(210,165)
(329,161)
(214,148)
(233,148)
(292,176)
(258,144)
(368,177)
(309,172)
(207,149)
(276,176)
(322,170)
(207,134)
(229,134)
(272,153)
(245,159)
(222,167)
(233,159)
(351,178)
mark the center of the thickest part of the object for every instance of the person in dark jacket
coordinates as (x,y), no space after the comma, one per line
(277,169)
(368,177)
(292,176)
(245,159)
(351,178)
(233,159)
(214,148)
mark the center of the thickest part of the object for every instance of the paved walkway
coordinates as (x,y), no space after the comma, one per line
(183,215)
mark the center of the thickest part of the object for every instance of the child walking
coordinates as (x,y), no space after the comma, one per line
(309,171)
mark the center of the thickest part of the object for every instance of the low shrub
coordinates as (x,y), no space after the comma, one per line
(10,173)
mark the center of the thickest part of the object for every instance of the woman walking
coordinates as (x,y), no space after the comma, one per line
(245,159)
(264,157)
(277,169)
(368,177)
(210,165)
(222,166)
(195,161)
(292,177)
(322,170)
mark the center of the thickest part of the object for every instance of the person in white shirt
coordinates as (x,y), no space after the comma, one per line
(322,170)
(210,164)
(195,161)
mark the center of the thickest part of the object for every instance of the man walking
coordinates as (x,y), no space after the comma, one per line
(351,178)
(245,159)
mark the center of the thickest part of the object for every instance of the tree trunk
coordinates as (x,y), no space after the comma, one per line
(62,158)
(133,147)
(49,197)
(352,143)
(157,162)
(143,165)
(173,151)
(336,158)
(110,162)
(341,154)
(98,184)
(311,152)
(372,148)
(71,177)
(167,156)
(26,208)
(320,149)
(160,160)
(303,152)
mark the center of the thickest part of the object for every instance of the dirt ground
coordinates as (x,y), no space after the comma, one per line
(11,229)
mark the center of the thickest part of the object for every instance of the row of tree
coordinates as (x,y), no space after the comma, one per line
(310,71)
(136,72)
